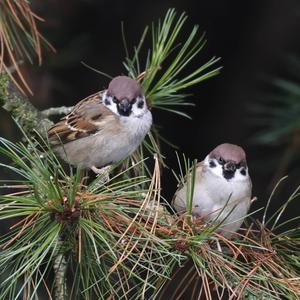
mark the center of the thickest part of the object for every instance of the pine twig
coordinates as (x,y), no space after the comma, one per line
(62,110)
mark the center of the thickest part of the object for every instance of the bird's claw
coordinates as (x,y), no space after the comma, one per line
(102,172)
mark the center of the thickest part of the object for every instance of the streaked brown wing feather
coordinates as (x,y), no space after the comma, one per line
(85,119)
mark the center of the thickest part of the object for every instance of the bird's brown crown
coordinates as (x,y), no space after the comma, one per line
(229,152)
(124,87)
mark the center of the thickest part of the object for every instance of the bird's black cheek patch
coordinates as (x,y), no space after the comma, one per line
(212,164)
(107,102)
(140,104)
(228,174)
(243,172)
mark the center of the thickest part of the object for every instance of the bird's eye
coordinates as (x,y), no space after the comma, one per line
(221,161)
(238,165)
(115,99)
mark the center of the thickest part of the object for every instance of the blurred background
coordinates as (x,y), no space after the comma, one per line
(253,102)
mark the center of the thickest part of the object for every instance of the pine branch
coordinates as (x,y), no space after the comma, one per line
(60,270)
(62,110)
(20,108)
(124,244)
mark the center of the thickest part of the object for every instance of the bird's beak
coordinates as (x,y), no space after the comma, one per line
(124,105)
(230,166)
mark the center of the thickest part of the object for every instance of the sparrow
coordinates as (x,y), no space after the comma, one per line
(222,190)
(103,128)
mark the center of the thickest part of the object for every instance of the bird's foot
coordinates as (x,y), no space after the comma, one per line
(195,216)
(102,172)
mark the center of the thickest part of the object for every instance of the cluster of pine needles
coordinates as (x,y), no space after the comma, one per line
(20,40)
(119,240)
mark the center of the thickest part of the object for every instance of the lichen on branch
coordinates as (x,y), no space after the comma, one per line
(26,115)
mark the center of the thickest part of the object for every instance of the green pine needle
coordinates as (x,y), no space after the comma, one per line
(163,75)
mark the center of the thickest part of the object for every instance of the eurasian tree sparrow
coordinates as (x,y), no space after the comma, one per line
(103,128)
(222,189)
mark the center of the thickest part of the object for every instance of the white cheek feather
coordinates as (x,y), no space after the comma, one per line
(112,106)
(239,177)
(217,170)
(139,112)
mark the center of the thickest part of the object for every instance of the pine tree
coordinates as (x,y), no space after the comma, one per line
(74,237)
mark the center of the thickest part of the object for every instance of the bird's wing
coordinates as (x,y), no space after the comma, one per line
(179,198)
(88,117)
